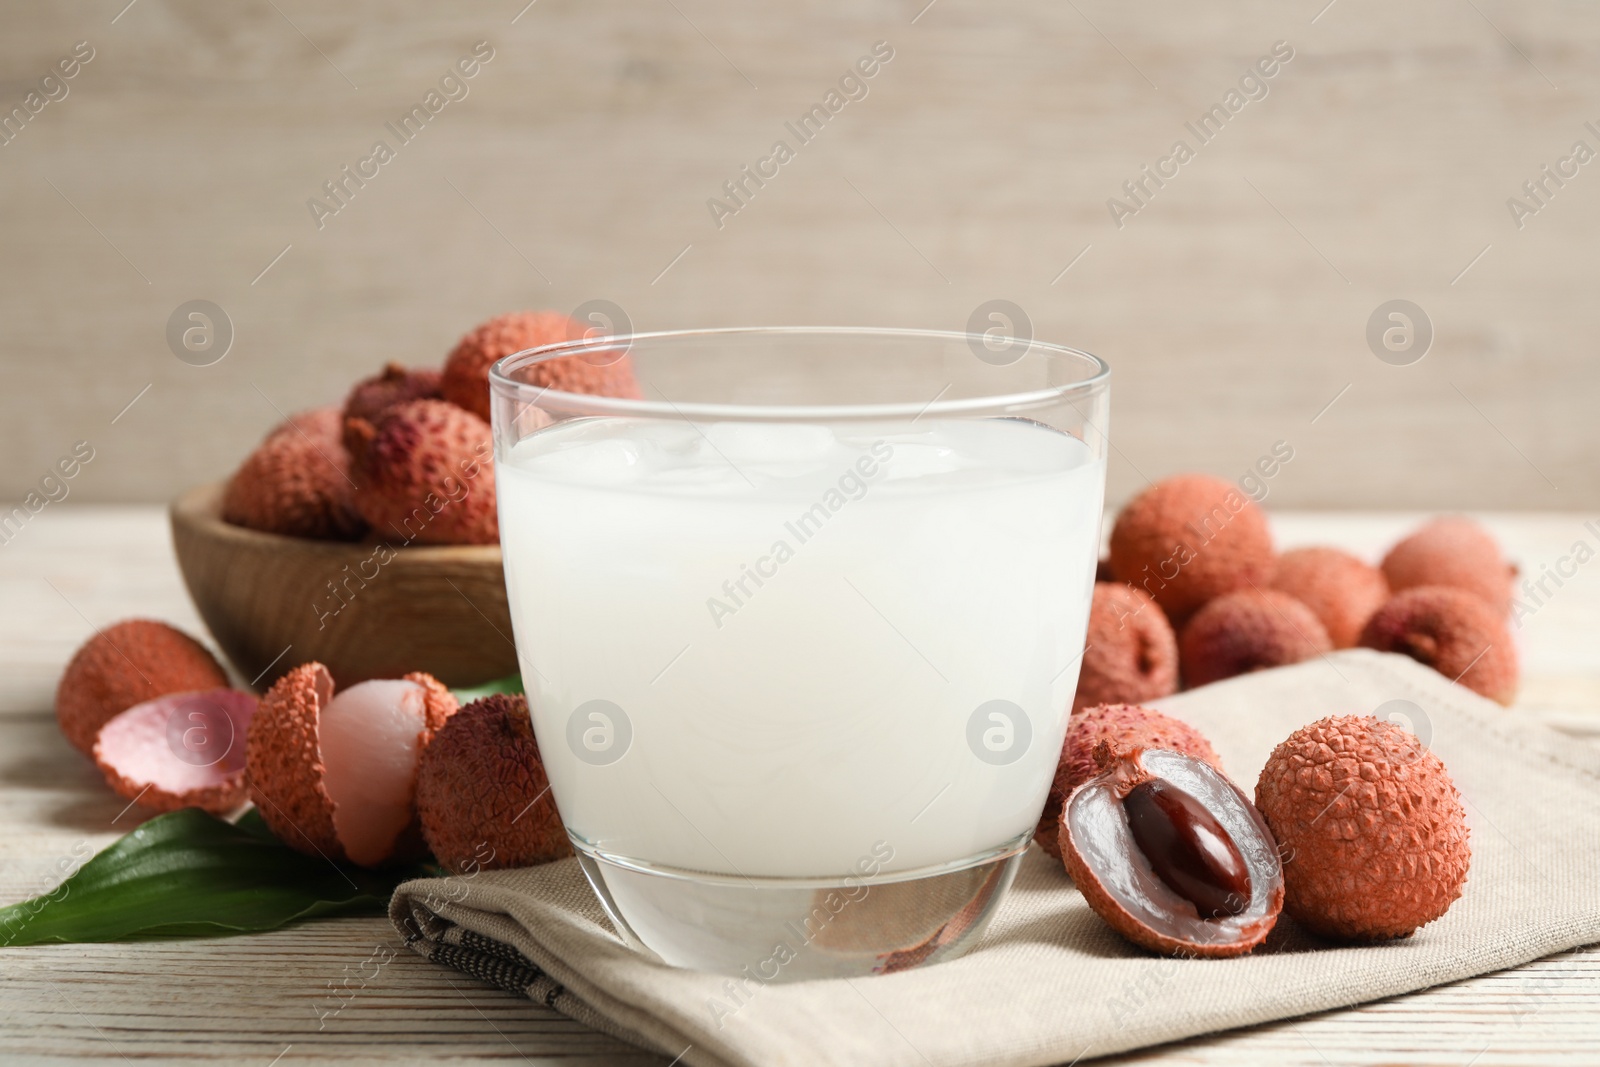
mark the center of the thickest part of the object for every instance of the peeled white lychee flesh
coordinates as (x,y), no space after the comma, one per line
(371,737)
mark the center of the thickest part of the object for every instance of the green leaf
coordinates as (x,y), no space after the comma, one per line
(511,684)
(189,874)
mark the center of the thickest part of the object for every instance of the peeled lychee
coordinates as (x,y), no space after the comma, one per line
(466,371)
(1250,630)
(183,750)
(1124,726)
(395,385)
(1371,828)
(1188,539)
(335,775)
(1341,590)
(126,664)
(1172,855)
(424,472)
(1130,654)
(295,485)
(1452,631)
(483,793)
(1453,551)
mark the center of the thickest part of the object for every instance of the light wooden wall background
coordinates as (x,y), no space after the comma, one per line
(1233,308)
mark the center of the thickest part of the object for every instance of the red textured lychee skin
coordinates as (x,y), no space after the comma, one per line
(1371,828)
(1452,631)
(296,484)
(1189,539)
(1130,653)
(1249,630)
(321,424)
(425,473)
(483,794)
(466,371)
(395,385)
(1453,551)
(126,664)
(1341,590)
(283,760)
(1124,767)
(227,789)
(1124,726)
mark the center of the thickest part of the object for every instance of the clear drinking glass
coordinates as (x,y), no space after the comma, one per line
(799,619)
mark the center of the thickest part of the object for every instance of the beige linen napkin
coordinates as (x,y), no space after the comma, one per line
(1050,982)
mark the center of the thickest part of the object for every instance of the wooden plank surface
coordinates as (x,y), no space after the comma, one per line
(252,999)
(979,166)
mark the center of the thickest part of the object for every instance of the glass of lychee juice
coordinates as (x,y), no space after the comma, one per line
(799,619)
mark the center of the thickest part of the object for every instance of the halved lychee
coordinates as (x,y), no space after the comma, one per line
(1172,854)
(336,775)
(183,750)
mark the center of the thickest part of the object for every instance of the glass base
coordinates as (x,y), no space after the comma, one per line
(793,929)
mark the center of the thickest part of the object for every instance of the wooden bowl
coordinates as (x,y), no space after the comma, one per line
(366,610)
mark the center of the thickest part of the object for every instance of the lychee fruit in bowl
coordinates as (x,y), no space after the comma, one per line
(1454,632)
(335,774)
(1371,828)
(483,793)
(296,483)
(394,385)
(1130,652)
(1124,726)
(1188,539)
(1454,551)
(1340,589)
(1249,630)
(125,664)
(466,370)
(424,473)
(182,750)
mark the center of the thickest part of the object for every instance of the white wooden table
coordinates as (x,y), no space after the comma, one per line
(265,998)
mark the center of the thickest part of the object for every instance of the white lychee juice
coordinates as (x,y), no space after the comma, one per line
(791,677)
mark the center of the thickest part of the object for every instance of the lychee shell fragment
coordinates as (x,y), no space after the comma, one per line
(182,750)
(1372,830)
(126,664)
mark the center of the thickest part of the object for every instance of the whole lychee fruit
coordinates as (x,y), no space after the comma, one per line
(182,750)
(1125,727)
(1130,652)
(395,385)
(1188,539)
(1371,828)
(336,775)
(321,424)
(483,793)
(1250,630)
(1452,631)
(296,483)
(425,473)
(1453,551)
(126,664)
(466,371)
(1341,590)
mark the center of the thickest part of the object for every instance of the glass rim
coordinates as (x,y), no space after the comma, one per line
(502,384)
